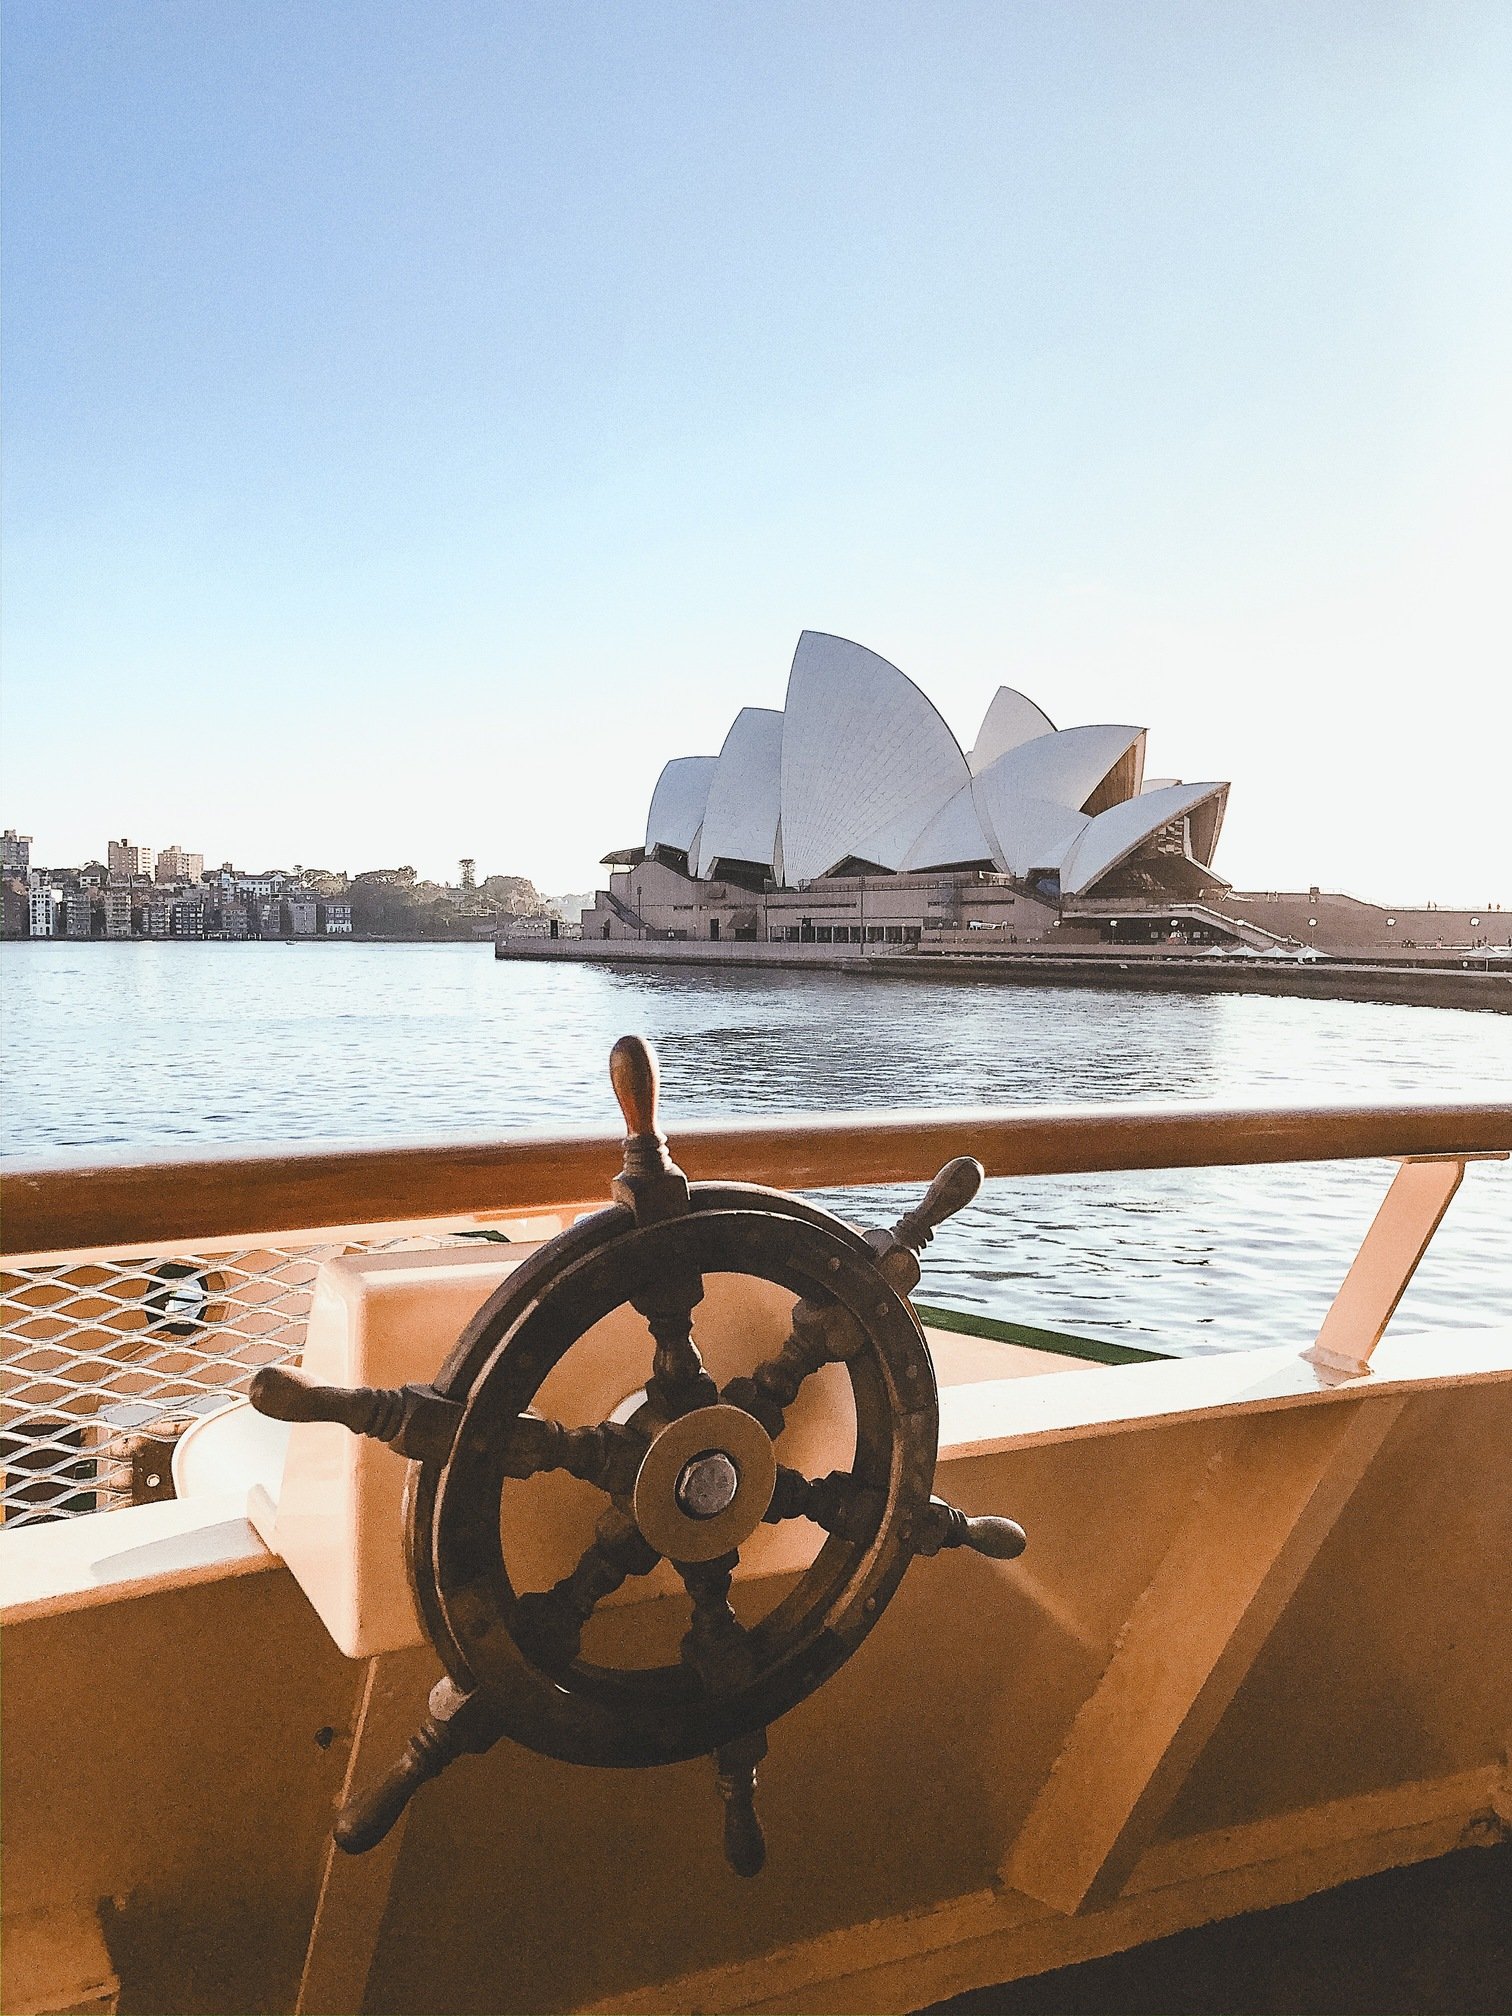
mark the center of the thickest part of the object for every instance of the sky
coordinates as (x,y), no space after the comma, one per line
(421,420)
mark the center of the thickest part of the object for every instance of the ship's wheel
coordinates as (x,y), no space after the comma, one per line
(688,1474)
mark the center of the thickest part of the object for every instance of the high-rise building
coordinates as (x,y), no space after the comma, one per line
(126,858)
(174,865)
(76,919)
(15,852)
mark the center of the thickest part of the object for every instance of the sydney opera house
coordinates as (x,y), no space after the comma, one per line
(854,812)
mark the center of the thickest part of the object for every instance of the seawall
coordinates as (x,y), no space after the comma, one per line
(1418,985)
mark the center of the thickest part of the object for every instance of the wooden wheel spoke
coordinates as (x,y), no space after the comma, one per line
(837,1502)
(716,1646)
(823,1333)
(606,1455)
(553,1618)
(678,1381)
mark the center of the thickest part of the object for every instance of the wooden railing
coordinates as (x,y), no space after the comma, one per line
(126,1204)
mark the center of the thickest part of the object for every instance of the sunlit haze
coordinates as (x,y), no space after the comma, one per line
(423,420)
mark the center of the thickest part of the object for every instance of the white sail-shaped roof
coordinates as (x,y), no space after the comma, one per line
(745,794)
(1029,800)
(1011,718)
(953,838)
(677,803)
(1113,835)
(1065,767)
(859,768)
(867,762)
(1205,823)
(1027,833)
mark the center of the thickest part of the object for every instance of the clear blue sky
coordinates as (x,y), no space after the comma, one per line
(421,419)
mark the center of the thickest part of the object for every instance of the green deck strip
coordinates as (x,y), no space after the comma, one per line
(972,1325)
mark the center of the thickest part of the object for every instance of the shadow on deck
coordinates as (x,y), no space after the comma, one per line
(1432,1940)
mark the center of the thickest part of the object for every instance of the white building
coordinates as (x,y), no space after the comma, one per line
(44,908)
(859,774)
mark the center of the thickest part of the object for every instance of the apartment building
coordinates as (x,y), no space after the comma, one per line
(125,860)
(118,910)
(44,906)
(175,865)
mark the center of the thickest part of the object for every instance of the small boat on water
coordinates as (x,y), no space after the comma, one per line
(485,1577)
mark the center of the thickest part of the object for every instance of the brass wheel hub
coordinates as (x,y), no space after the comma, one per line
(704,1483)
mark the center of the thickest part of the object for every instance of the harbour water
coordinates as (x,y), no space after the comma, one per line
(143,1046)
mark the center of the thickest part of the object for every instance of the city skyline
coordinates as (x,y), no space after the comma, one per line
(448,413)
(150,861)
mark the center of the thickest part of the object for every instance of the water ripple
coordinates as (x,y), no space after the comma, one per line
(140,1045)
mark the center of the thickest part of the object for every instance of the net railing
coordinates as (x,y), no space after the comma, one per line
(105,1362)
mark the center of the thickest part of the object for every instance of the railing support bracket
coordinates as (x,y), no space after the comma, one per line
(1410,1214)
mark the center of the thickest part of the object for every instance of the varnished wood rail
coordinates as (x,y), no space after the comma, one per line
(78,1206)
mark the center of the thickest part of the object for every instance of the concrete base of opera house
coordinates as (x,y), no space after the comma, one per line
(1437,981)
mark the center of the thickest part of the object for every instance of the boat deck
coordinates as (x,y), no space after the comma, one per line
(1431,1940)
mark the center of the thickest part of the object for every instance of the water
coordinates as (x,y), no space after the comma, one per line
(142,1046)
